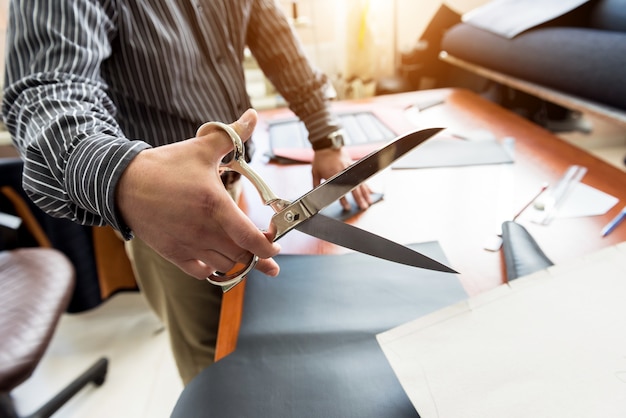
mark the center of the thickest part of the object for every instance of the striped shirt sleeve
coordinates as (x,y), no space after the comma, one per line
(275,47)
(84,76)
(58,113)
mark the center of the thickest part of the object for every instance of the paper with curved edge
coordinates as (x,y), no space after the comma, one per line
(509,18)
(550,344)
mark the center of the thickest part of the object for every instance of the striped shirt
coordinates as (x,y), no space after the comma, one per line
(89,84)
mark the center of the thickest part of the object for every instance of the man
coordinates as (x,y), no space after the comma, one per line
(103,100)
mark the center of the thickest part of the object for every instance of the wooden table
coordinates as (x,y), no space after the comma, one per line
(460,207)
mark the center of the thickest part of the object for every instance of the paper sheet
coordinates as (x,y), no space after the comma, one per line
(583,200)
(549,345)
(476,148)
(509,18)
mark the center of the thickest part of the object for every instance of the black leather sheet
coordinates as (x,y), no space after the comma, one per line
(581,61)
(522,254)
(307,345)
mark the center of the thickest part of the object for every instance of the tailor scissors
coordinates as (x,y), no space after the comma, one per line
(303,213)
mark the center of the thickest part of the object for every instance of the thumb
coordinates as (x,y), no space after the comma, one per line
(246,124)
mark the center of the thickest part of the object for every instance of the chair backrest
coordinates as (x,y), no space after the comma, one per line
(72,239)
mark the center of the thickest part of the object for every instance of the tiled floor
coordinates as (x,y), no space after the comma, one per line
(142,379)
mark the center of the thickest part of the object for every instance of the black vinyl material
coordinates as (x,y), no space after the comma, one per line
(522,254)
(581,61)
(307,344)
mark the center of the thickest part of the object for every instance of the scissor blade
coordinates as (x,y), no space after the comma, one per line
(346,180)
(357,239)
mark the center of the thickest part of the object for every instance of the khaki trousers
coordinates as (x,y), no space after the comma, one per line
(189,308)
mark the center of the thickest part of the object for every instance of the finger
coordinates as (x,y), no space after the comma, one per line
(202,269)
(244,127)
(246,124)
(344,203)
(245,235)
(317,179)
(271,234)
(265,265)
(362,196)
(268,266)
(196,268)
(224,263)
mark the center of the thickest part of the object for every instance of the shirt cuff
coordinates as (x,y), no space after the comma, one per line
(93,177)
(320,124)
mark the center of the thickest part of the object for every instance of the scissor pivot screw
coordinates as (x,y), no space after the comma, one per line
(291,217)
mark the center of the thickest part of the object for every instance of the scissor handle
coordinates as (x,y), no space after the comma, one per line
(238,163)
(232,277)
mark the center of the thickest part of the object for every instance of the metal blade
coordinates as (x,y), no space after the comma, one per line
(357,239)
(346,180)
(343,182)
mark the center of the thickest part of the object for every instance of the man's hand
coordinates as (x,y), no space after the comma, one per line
(327,163)
(172,197)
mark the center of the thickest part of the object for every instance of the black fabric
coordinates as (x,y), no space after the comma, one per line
(522,254)
(581,61)
(307,344)
(609,15)
(74,240)
(424,61)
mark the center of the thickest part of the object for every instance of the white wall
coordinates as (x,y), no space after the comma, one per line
(330,31)
(414,15)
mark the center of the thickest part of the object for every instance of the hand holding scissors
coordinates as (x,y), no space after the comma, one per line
(303,213)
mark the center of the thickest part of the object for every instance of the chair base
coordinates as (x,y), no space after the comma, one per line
(96,374)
